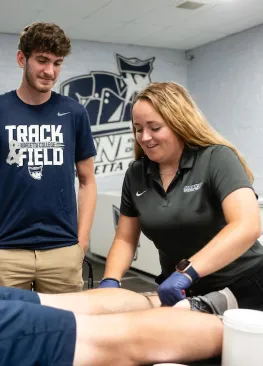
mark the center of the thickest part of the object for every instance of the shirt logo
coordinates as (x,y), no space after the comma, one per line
(62,114)
(193,187)
(35,146)
(138,194)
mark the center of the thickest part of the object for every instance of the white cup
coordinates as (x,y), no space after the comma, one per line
(169,364)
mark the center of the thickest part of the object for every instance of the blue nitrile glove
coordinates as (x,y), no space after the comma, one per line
(173,289)
(110,283)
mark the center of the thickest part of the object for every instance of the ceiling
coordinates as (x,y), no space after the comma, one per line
(156,23)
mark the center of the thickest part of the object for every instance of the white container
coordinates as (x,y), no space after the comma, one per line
(243,338)
(168,364)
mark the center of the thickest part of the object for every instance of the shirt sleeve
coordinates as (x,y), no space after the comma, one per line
(127,206)
(227,174)
(85,147)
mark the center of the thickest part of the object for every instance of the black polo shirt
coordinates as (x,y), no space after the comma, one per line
(189,214)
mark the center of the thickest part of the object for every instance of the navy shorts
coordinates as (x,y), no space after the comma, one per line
(32,334)
(13,293)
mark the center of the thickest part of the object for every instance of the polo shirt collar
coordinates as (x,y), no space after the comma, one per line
(188,157)
(186,161)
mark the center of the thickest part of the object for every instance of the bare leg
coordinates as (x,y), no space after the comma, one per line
(101,301)
(144,337)
(105,301)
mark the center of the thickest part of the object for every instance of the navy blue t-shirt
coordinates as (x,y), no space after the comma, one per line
(39,146)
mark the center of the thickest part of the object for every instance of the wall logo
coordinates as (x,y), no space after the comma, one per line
(116,216)
(107,97)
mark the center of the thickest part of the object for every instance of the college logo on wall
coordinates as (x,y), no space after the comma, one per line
(116,216)
(108,97)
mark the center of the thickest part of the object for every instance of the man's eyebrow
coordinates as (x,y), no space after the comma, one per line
(47,58)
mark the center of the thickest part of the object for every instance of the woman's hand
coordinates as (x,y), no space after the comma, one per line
(109,283)
(173,288)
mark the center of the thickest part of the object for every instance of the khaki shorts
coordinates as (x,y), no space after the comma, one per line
(52,271)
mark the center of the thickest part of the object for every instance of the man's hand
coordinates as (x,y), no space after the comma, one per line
(84,246)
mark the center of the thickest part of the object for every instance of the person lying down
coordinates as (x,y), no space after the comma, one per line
(115,327)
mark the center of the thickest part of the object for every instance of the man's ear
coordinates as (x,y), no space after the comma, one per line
(21,59)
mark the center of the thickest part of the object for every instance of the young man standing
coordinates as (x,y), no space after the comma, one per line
(43,136)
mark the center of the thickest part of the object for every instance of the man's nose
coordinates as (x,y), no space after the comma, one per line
(49,70)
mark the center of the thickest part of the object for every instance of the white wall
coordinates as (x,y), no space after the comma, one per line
(226,79)
(261,212)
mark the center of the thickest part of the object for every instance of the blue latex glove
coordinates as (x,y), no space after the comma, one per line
(110,283)
(173,289)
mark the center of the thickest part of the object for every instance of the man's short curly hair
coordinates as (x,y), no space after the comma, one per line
(44,37)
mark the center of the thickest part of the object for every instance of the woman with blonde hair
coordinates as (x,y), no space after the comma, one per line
(189,191)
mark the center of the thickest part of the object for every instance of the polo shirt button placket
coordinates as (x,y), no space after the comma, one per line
(165,203)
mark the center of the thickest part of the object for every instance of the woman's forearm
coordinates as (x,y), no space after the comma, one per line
(229,244)
(119,259)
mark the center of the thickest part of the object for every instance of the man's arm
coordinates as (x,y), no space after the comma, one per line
(86,200)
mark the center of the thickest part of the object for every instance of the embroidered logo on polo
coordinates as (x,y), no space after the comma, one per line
(193,187)
(108,97)
(138,194)
(36,146)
